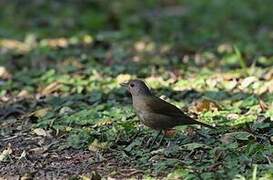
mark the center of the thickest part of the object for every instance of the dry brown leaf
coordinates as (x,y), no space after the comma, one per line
(40,132)
(266,87)
(270,86)
(4,73)
(53,87)
(104,122)
(40,112)
(205,105)
(268,75)
(248,81)
(57,42)
(96,146)
(14,45)
(24,94)
(263,105)
(263,89)
(27,176)
(5,153)
(229,76)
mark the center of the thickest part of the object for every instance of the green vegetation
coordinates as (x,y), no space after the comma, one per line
(60,68)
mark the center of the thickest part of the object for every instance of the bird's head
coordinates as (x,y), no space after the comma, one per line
(137,88)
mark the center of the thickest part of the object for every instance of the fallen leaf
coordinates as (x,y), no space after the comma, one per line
(121,78)
(39,150)
(14,45)
(96,146)
(65,110)
(263,105)
(4,74)
(224,48)
(230,85)
(53,87)
(247,82)
(23,155)
(24,94)
(103,122)
(157,152)
(40,132)
(270,86)
(268,75)
(5,154)
(205,105)
(85,177)
(232,116)
(40,112)
(27,176)
(56,42)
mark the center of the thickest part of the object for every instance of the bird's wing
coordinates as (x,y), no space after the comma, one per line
(160,106)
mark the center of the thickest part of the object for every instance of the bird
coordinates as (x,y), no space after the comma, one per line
(154,112)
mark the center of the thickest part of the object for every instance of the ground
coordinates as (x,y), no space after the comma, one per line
(64,115)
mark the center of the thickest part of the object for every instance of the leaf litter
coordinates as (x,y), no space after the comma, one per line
(70,117)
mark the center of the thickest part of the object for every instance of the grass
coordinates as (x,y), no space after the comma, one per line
(61,65)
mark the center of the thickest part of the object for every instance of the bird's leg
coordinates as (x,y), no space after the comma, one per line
(155,139)
(161,139)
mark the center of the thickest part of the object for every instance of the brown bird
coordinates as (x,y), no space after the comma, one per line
(155,112)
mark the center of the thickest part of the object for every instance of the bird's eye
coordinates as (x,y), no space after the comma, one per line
(132,85)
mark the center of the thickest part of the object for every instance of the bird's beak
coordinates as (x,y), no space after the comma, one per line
(125,84)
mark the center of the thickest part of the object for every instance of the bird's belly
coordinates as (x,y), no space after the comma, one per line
(156,121)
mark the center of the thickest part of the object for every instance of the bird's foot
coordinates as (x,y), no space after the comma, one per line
(151,141)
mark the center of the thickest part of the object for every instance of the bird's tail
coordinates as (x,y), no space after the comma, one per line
(189,120)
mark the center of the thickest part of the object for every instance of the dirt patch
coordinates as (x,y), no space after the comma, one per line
(37,157)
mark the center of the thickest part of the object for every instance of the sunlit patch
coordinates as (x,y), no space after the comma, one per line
(11,44)
(121,78)
(225,48)
(51,88)
(31,43)
(4,73)
(144,46)
(156,82)
(58,42)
